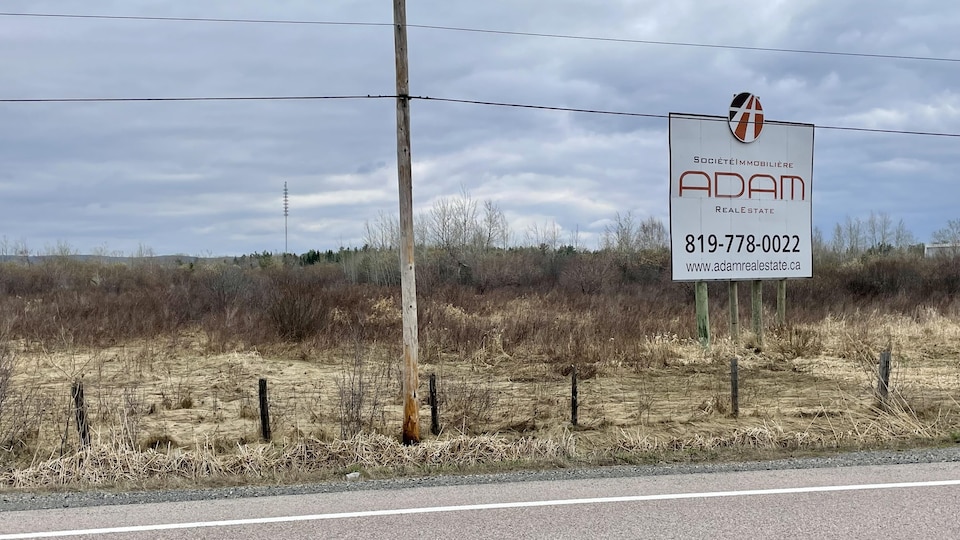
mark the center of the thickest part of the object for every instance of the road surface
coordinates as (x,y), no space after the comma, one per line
(891,501)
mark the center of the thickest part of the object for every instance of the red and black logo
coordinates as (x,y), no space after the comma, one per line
(746,117)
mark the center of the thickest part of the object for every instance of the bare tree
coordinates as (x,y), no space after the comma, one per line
(853,236)
(421,229)
(462,233)
(466,222)
(902,237)
(949,234)
(879,230)
(620,236)
(442,224)
(546,236)
(574,240)
(495,229)
(948,237)
(839,242)
(819,244)
(458,225)
(21,250)
(652,234)
(383,234)
(625,235)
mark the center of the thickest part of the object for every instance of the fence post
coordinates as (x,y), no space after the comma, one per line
(756,306)
(703,314)
(264,411)
(434,406)
(883,384)
(80,407)
(573,396)
(734,388)
(734,312)
(782,303)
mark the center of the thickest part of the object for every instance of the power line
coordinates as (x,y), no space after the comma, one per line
(665,116)
(690,44)
(189,98)
(495,32)
(539,107)
(189,19)
(436,99)
(891,131)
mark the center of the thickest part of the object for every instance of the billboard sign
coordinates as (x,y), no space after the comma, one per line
(741,190)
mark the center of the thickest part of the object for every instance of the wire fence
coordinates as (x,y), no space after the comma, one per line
(692,398)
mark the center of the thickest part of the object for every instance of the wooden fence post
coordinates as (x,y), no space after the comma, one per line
(782,303)
(80,408)
(883,384)
(756,306)
(734,312)
(703,314)
(734,388)
(434,406)
(264,411)
(573,396)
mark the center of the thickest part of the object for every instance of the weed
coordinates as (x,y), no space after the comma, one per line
(467,406)
(797,342)
(360,393)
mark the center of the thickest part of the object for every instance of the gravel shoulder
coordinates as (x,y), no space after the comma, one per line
(21,500)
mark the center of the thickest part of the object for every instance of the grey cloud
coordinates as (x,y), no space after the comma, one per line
(199,177)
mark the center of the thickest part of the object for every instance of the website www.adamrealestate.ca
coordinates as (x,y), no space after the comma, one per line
(744,266)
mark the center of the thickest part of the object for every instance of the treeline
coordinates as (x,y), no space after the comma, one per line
(467,262)
(61,301)
(464,241)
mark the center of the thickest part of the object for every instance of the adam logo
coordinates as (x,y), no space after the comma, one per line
(746,117)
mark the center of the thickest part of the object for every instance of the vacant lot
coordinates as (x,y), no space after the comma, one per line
(170,357)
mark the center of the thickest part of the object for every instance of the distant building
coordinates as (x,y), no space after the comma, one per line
(937,250)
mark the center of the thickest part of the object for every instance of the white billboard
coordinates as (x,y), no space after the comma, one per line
(740,210)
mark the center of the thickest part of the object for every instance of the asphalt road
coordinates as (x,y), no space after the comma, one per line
(890,501)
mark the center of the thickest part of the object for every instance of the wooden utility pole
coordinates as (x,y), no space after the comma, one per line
(408,285)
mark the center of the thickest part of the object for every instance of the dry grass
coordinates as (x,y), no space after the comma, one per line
(182,413)
(174,398)
(105,465)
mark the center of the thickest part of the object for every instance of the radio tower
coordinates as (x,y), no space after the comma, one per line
(286,213)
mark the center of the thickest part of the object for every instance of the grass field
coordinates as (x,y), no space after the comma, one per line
(171,387)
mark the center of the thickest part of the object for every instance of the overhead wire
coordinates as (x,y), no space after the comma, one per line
(667,116)
(455,100)
(493,32)
(438,99)
(188,19)
(690,44)
(187,98)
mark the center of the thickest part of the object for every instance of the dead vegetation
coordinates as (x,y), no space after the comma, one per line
(170,356)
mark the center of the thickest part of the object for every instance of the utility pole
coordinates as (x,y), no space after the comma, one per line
(408,285)
(286,212)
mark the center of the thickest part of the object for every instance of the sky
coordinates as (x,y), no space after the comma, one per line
(205,178)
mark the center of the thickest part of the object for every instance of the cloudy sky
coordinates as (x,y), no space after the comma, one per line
(206,178)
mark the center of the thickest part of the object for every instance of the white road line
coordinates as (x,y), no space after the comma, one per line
(474,507)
